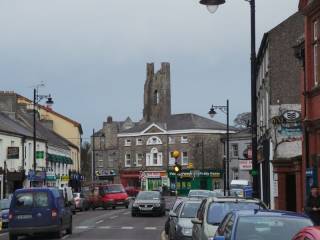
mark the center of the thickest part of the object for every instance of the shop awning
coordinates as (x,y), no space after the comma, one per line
(59,159)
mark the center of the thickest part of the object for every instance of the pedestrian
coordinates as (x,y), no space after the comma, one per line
(313,205)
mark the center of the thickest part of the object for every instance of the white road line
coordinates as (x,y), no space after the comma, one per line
(150,228)
(113,217)
(66,236)
(101,221)
(126,213)
(127,227)
(104,227)
(2,234)
(82,227)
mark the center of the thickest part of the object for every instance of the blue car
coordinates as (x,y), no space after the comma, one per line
(261,225)
(4,211)
(37,211)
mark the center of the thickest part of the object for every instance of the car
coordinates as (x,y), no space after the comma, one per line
(308,233)
(108,196)
(180,225)
(38,211)
(213,210)
(4,208)
(81,203)
(199,193)
(148,202)
(174,206)
(68,197)
(261,225)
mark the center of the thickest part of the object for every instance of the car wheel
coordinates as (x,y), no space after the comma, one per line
(13,237)
(58,234)
(113,207)
(127,206)
(69,229)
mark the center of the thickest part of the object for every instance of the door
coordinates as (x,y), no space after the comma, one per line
(291,192)
(174,221)
(197,229)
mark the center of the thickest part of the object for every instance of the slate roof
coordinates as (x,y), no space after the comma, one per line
(183,121)
(10,125)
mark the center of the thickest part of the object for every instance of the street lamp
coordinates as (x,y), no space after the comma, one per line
(212,113)
(36,99)
(213,6)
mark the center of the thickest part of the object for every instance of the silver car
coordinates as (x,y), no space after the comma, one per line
(180,225)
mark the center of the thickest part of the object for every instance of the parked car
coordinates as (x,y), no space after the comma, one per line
(81,203)
(213,210)
(38,211)
(108,196)
(173,208)
(68,198)
(180,225)
(149,202)
(308,233)
(4,208)
(199,193)
(261,225)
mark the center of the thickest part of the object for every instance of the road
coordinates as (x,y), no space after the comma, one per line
(112,225)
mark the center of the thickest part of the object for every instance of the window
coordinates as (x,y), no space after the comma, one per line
(100,163)
(127,142)
(138,162)
(316,52)
(171,140)
(154,141)
(127,160)
(156,97)
(235,150)
(154,158)
(185,159)
(172,160)
(184,139)
(139,141)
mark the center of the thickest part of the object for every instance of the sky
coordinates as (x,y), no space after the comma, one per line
(92,54)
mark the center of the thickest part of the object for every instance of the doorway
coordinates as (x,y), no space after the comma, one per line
(291,192)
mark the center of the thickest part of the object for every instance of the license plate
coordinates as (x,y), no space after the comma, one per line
(145,209)
(22,217)
(119,202)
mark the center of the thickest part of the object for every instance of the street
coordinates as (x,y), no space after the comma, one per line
(111,224)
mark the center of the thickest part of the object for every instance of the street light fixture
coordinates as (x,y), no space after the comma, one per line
(212,113)
(36,99)
(213,6)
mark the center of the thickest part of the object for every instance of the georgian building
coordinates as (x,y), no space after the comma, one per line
(139,154)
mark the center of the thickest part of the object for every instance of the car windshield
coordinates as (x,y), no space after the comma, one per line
(148,196)
(114,189)
(218,210)
(190,209)
(4,204)
(269,227)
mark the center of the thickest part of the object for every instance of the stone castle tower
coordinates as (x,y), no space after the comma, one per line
(157,94)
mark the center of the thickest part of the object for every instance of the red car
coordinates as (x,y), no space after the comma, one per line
(308,233)
(110,195)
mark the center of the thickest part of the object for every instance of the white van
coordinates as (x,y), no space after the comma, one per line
(68,197)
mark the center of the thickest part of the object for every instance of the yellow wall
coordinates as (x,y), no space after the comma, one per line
(64,128)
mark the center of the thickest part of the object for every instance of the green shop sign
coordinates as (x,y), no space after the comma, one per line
(213,173)
(40,154)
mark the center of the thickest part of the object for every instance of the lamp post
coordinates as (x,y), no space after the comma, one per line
(212,113)
(212,6)
(36,99)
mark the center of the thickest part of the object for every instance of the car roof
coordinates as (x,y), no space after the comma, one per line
(35,189)
(233,199)
(269,213)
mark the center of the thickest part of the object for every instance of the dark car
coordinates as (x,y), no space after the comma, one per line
(4,208)
(261,225)
(180,220)
(148,202)
(38,211)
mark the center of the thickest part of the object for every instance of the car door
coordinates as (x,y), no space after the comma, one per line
(174,220)
(196,229)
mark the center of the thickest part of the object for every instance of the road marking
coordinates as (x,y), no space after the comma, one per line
(127,227)
(104,227)
(126,213)
(66,236)
(113,217)
(2,234)
(150,228)
(101,221)
(82,227)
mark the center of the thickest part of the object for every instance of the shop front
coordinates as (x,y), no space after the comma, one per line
(51,179)
(153,180)
(130,179)
(195,179)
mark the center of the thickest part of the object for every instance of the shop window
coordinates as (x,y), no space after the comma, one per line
(185,159)
(235,150)
(128,160)
(127,142)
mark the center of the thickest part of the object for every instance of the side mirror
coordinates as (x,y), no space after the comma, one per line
(172,214)
(219,238)
(196,221)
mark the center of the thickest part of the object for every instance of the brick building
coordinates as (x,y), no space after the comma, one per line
(139,154)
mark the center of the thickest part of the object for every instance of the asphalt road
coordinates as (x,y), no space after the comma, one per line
(112,225)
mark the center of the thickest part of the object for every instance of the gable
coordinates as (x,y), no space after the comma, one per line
(153,128)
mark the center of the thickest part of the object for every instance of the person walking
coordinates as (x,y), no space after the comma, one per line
(313,206)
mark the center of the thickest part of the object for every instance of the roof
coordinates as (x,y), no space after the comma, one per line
(55,113)
(269,213)
(183,121)
(233,199)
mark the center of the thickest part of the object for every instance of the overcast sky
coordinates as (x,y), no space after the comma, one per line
(92,54)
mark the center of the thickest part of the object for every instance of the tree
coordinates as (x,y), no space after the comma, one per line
(243,120)
(86,160)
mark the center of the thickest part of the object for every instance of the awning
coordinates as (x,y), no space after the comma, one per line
(59,159)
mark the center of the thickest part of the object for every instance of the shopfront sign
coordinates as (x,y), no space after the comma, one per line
(151,174)
(40,154)
(245,164)
(65,178)
(51,176)
(13,153)
(197,173)
(37,176)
